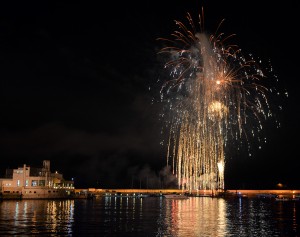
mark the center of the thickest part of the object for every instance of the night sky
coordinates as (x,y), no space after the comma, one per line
(79,88)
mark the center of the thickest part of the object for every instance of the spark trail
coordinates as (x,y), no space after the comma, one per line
(213,94)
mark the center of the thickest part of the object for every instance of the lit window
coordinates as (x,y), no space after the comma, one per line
(18,182)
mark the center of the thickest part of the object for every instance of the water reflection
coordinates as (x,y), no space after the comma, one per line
(122,214)
(36,216)
(295,225)
(194,217)
(153,216)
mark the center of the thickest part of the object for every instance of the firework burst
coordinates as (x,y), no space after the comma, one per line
(213,94)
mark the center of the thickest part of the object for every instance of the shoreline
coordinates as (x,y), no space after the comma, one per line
(91,193)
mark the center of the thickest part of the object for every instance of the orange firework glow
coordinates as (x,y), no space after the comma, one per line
(212,93)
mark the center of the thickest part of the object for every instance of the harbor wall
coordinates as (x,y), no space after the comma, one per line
(194,192)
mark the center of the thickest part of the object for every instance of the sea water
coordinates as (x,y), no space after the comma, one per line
(150,216)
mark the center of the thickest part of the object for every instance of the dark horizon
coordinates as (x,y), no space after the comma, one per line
(79,88)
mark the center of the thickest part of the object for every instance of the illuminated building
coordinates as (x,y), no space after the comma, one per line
(35,183)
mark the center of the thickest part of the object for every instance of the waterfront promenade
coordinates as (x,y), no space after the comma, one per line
(249,193)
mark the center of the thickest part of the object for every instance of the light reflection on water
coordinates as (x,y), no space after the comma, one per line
(33,217)
(114,216)
(196,215)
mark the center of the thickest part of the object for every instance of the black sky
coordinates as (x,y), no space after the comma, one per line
(75,81)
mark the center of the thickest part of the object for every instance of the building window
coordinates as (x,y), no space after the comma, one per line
(18,183)
(26,182)
(34,183)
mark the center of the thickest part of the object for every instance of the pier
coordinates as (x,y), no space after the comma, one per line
(212,193)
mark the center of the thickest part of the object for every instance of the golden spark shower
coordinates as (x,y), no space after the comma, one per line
(214,96)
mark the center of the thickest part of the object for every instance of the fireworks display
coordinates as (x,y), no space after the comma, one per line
(215,96)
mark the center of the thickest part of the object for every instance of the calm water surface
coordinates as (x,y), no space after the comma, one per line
(151,216)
